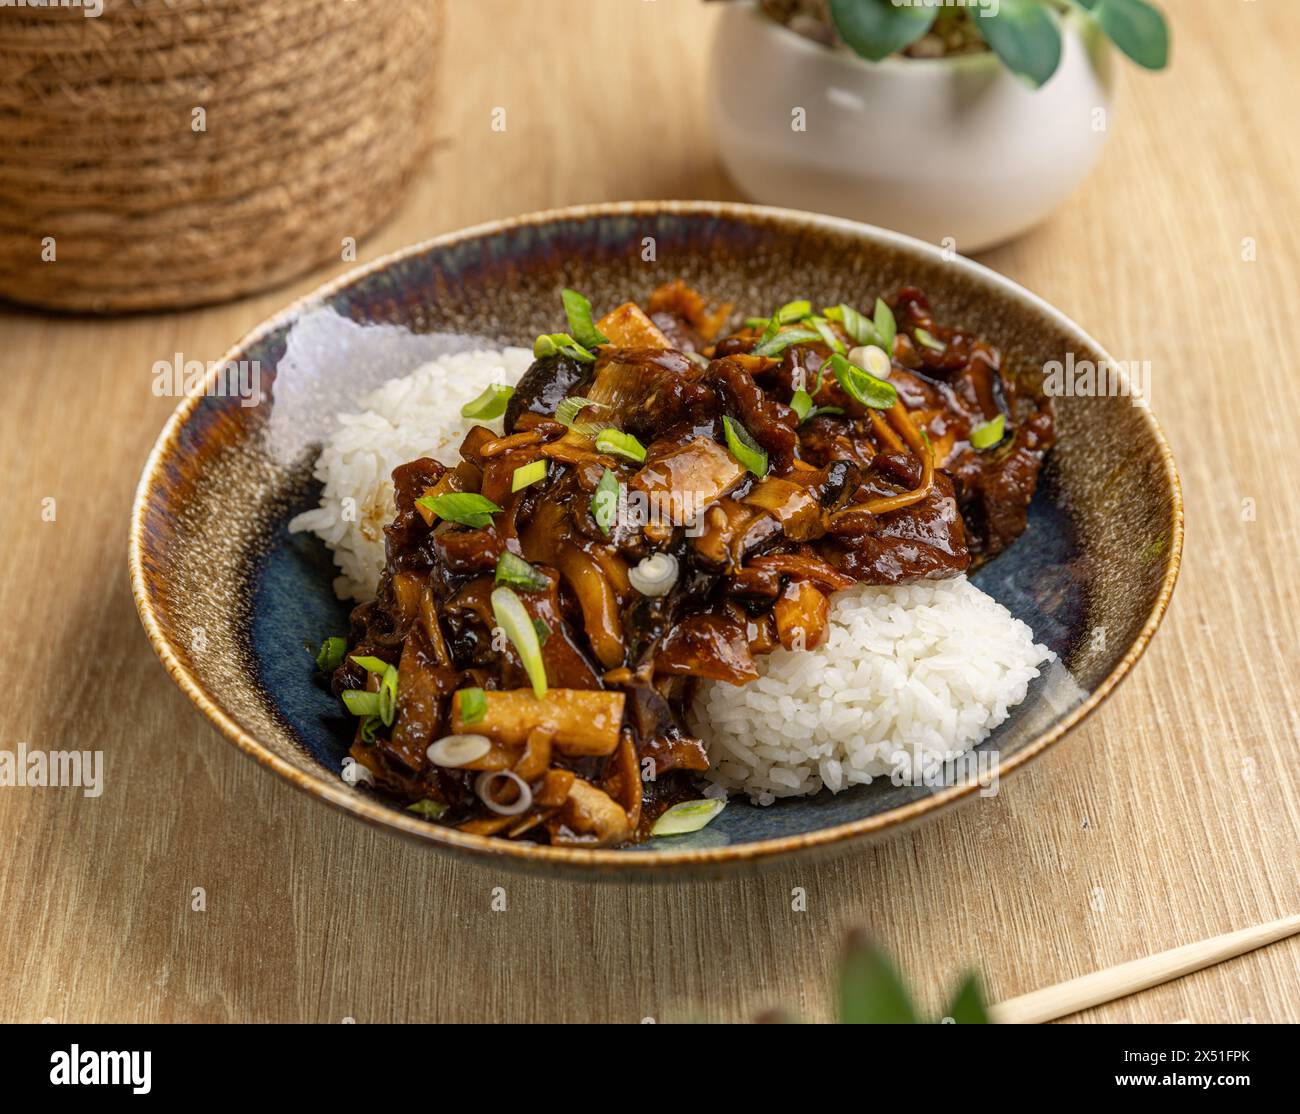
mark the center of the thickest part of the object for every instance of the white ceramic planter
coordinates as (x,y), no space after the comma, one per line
(954,147)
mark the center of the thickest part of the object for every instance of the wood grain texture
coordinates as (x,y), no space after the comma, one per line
(1170,817)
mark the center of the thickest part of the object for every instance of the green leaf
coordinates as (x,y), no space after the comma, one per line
(1138,29)
(870,992)
(968,1006)
(876,29)
(1026,36)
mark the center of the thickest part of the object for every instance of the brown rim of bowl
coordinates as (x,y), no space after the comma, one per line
(334,792)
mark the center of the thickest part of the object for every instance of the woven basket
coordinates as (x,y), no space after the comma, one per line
(317,115)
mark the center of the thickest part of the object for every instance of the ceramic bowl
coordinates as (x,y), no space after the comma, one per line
(234,604)
(956,151)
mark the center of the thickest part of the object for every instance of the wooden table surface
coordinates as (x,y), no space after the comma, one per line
(1172,815)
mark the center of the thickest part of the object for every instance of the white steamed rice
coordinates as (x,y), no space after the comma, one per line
(913,674)
(908,677)
(417,415)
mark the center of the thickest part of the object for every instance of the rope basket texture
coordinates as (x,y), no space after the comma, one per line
(170,153)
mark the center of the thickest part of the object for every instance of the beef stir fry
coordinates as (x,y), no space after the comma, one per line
(665,504)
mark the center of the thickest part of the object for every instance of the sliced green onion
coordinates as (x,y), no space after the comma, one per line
(857,325)
(369,726)
(578,311)
(490,404)
(781,341)
(473,705)
(331,654)
(989,434)
(388,696)
(543,631)
(430,810)
(527,474)
(463,507)
(517,573)
(923,337)
(371,665)
(513,618)
(757,322)
(773,327)
(828,334)
(878,394)
(791,312)
(886,326)
(689,816)
(744,448)
(569,409)
(801,404)
(360,702)
(620,444)
(604,503)
(550,344)
(872,359)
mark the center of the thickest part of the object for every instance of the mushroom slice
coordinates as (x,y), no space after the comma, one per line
(583,722)
(592,813)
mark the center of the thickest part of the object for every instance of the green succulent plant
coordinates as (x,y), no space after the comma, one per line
(870,992)
(1024,34)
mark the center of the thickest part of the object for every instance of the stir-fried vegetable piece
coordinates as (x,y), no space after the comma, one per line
(473,705)
(463,507)
(988,434)
(784,339)
(515,572)
(569,409)
(430,810)
(604,503)
(689,816)
(332,652)
(877,394)
(527,474)
(923,336)
(802,404)
(886,326)
(513,618)
(361,703)
(548,344)
(490,404)
(581,722)
(388,696)
(620,444)
(791,312)
(578,310)
(744,448)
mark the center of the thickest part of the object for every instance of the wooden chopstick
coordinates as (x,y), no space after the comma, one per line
(1139,974)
